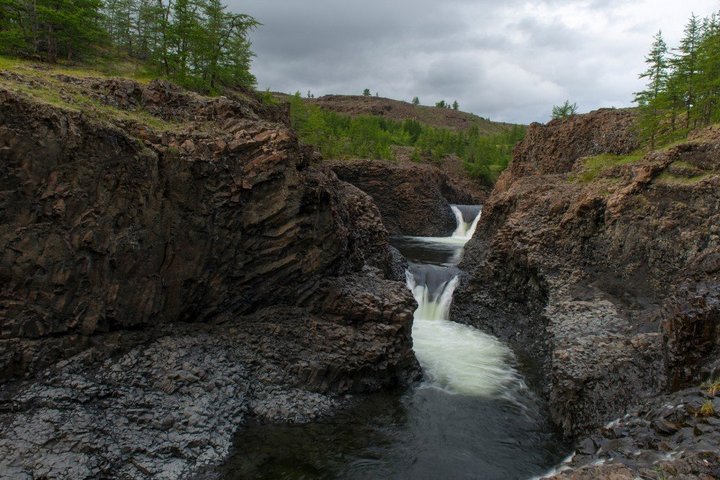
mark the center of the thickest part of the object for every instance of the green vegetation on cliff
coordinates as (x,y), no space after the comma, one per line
(683,84)
(367,136)
(596,165)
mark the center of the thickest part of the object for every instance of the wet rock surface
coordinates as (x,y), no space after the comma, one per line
(164,403)
(413,198)
(668,437)
(610,284)
(171,269)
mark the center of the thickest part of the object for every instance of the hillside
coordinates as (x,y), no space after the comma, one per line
(461,144)
(355,105)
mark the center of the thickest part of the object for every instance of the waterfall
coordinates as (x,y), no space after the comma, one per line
(467,218)
(455,357)
(432,287)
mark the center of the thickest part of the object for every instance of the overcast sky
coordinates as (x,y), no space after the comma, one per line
(507,60)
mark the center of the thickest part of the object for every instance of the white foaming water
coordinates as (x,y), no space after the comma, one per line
(455,357)
(464,230)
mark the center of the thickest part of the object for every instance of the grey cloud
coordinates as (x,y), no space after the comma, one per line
(508,60)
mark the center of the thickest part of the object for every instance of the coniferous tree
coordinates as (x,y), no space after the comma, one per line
(651,100)
(14,27)
(118,22)
(682,92)
(682,84)
(708,85)
(50,30)
(197,43)
(565,110)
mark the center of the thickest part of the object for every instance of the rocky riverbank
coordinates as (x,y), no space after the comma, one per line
(600,264)
(173,265)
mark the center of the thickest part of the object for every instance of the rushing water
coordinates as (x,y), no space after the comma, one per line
(472,418)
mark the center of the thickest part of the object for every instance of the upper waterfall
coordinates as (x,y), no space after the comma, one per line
(467,218)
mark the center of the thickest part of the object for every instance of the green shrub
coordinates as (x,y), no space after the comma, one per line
(341,136)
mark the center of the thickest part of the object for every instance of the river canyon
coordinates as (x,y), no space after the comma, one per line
(473,416)
(190,292)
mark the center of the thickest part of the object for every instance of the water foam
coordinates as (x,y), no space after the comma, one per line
(455,357)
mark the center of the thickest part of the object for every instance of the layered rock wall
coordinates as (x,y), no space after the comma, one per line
(583,274)
(413,198)
(114,225)
(173,265)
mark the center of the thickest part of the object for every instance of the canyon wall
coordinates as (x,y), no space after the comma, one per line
(172,266)
(413,198)
(599,264)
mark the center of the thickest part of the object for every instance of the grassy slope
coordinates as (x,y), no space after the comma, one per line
(43,83)
(606,168)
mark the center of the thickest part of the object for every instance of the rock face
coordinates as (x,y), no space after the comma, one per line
(190,265)
(413,198)
(691,323)
(555,147)
(671,436)
(611,283)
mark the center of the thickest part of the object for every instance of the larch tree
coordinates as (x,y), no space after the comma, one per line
(682,86)
(651,100)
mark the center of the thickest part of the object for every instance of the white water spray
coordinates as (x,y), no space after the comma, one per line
(464,230)
(456,357)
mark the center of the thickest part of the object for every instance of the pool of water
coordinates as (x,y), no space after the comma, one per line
(425,433)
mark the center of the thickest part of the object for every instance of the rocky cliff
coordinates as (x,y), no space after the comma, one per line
(600,265)
(172,265)
(413,198)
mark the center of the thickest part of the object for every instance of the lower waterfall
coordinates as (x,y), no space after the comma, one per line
(455,357)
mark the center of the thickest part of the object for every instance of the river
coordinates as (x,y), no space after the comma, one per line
(473,417)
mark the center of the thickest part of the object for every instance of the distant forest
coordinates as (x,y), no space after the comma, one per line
(341,136)
(683,83)
(196,43)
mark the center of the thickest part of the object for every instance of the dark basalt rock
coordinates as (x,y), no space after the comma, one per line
(555,147)
(413,198)
(160,285)
(666,437)
(691,324)
(582,276)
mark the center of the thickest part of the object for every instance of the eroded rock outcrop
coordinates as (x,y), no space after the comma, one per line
(582,272)
(555,147)
(413,198)
(175,252)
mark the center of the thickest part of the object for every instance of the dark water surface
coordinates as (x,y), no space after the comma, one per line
(423,250)
(425,433)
